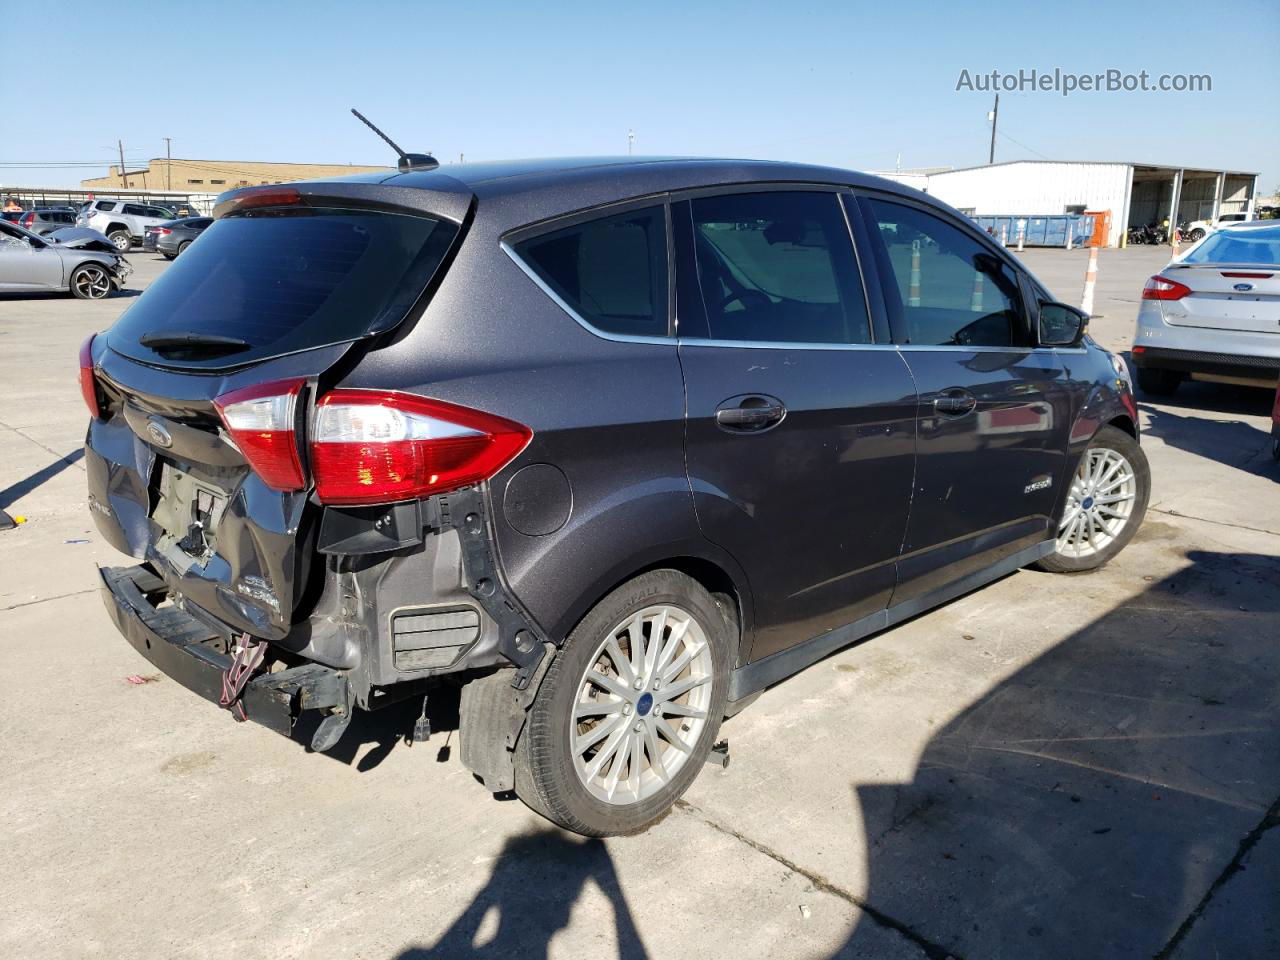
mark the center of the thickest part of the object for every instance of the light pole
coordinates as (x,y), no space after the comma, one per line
(168,162)
(631,139)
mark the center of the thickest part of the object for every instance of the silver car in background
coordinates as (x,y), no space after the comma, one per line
(73,259)
(1214,313)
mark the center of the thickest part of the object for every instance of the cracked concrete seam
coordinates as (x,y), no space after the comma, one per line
(931,950)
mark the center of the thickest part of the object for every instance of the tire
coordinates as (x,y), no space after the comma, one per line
(556,780)
(1196,235)
(1113,469)
(1157,382)
(91,281)
(168,256)
(182,247)
(121,240)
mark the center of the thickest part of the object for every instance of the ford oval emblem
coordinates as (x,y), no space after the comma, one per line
(158,434)
(1243,287)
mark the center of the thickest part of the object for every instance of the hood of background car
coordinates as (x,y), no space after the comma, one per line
(81,238)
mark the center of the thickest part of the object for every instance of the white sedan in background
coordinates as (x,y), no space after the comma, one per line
(1214,313)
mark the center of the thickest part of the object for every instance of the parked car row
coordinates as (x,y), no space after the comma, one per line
(172,238)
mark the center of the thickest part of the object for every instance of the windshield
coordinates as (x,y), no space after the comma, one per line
(1253,245)
(287,279)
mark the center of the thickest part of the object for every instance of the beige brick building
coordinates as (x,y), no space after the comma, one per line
(215,176)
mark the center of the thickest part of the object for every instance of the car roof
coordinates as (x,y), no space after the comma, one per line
(514,192)
(1249,225)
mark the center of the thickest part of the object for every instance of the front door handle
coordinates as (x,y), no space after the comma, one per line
(752,413)
(954,402)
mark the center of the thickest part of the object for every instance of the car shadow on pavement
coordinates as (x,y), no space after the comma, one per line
(1232,443)
(1089,803)
(12,493)
(528,898)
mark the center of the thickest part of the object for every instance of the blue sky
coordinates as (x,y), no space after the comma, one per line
(850,83)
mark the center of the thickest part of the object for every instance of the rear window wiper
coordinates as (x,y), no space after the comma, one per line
(192,340)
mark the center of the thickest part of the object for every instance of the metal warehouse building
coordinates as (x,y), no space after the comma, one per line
(1135,194)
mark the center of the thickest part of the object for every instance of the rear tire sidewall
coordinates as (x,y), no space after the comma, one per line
(1111,438)
(182,248)
(545,775)
(1157,382)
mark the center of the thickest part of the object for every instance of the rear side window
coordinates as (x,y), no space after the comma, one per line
(778,267)
(612,272)
(288,279)
(1259,245)
(952,290)
(106,205)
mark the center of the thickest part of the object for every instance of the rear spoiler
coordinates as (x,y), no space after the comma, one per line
(446,197)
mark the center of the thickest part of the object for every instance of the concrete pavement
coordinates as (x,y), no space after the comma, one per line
(1052,766)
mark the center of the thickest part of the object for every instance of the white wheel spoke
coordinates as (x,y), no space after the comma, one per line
(597,733)
(596,708)
(682,710)
(608,750)
(677,635)
(609,684)
(655,754)
(620,662)
(657,631)
(637,760)
(670,693)
(672,737)
(635,630)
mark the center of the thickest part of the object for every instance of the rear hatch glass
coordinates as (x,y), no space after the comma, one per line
(265,283)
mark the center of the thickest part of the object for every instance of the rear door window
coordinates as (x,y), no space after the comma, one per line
(288,279)
(611,272)
(106,205)
(778,267)
(952,291)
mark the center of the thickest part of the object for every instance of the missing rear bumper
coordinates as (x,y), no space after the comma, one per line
(186,650)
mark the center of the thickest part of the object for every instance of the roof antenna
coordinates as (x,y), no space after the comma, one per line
(408,161)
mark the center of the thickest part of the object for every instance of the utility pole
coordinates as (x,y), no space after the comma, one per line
(631,139)
(168,163)
(994,116)
(120,144)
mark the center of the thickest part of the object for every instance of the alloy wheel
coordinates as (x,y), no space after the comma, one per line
(1099,503)
(92,282)
(641,705)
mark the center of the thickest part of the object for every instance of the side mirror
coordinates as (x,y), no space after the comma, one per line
(1062,325)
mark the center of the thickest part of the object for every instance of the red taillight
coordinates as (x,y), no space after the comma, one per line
(28,219)
(378,446)
(1162,288)
(161,231)
(89,382)
(261,420)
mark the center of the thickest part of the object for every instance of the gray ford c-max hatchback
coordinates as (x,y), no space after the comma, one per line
(616,443)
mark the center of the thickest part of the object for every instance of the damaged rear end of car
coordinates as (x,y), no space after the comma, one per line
(286,527)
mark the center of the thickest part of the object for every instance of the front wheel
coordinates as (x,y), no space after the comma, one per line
(90,281)
(629,709)
(1196,235)
(121,240)
(1105,505)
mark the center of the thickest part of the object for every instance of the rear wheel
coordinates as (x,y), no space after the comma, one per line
(629,709)
(1158,383)
(90,281)
(1105,505)
(182,248)
(121,240)
(1196,234)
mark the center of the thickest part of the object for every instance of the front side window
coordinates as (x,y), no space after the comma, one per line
(778,267)
(612,272)
(953,290)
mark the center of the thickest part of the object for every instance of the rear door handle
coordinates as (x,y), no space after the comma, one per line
(954,402)
(751,413)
